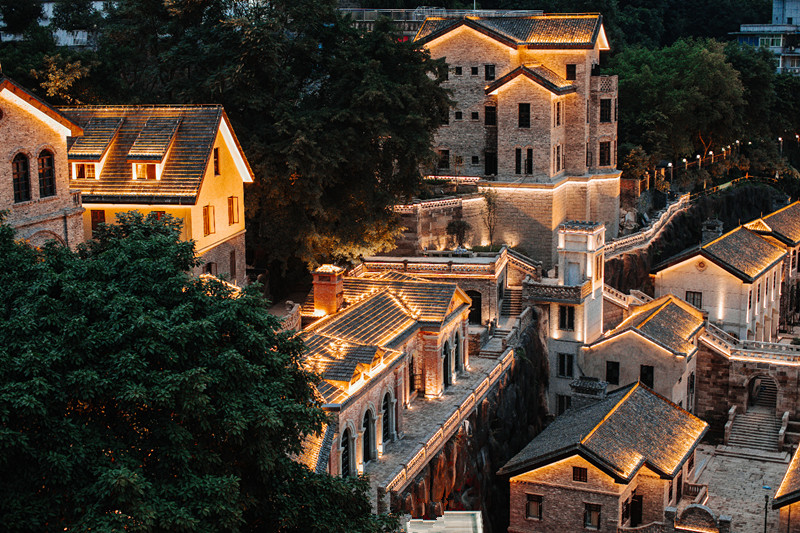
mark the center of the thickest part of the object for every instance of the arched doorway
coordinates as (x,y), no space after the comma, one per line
(345,445)
(475,316)
(459,358)
(367,438)
(762,394)
(388,418)
(446,372)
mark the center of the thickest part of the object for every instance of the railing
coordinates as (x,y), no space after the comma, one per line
(731,346)
(534,268)
(698,493)
(645,236)
(405,473)
(420,13)
(626,300)
(75,194)
(556,293)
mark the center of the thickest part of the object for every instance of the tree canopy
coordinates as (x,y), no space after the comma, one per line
(135,396)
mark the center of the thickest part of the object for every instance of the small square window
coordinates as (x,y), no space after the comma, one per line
(565,365)
(459,115)
(646,375)
(476,160)
(566,318)
(458,71)
(695,298)
(474,71)
(579,474)
(533,507)
(475,115)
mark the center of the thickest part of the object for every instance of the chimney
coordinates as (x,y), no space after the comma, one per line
(712,228)
(328,289)
(586,391)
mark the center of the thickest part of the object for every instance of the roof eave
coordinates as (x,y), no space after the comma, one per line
(35,101)
(138,199)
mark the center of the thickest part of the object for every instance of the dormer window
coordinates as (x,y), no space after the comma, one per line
(150,151)
(144,171)
(84,171)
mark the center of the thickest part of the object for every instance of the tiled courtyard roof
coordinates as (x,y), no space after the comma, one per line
(538,31)
(538,74)
(786,223)
(144,133)
(789,491)
(668,320)
(317,450)
(631,427)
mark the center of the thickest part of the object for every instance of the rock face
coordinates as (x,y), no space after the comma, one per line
(732,206)
(462,475)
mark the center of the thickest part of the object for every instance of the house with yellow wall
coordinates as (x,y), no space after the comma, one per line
(181,160)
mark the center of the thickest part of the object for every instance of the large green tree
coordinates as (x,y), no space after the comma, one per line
(136,397)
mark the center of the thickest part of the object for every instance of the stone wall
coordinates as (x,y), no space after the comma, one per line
(221,256)
(462,476)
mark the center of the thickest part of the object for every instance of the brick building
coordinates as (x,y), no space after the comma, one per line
(532,118)
(35,181)
(619,461)
(379,341)
(181,160)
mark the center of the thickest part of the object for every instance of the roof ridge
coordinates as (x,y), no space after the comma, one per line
(608,414)
(781,209)
(657,310)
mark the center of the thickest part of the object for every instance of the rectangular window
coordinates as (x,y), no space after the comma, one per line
(616,109)
(695,298)
(646,375)
(209,226)
(474,71)
(490,115)
(563,402)
(47,176)
(490,163)
(565,365)
(458,71)
(475,159)
(233,210)
(459,115)
(690,463)
(598,267)
(579,474)
(794,259)
(475,115)
(587,110)
(488,71)
(558,113)
(612,372)
(216,161)
(84,171)
(758,293)
(529,161)
(591,516)
(533,507)
(524,115)
(605,153)
(518,161)
(588,155)
(749,299)
(444,159)
(566,318)
(145,171)
(571,72)
(210,268)
(558,158)
(98,217)
(232,270)
(605,110)
(771,41)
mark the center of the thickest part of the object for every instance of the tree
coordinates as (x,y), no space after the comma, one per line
(490,213)
(20,16)
(76,15)
(458,229)
(135,396)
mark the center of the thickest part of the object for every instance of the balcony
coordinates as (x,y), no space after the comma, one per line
(75,195)
(534,292)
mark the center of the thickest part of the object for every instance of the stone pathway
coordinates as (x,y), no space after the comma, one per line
(735,487)
(422,420)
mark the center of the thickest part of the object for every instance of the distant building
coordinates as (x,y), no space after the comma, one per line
(619,461)
(182,160)
(35,187)
(781,35)
(76,38)
(532,119)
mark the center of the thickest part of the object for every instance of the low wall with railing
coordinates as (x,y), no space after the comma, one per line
(645,236)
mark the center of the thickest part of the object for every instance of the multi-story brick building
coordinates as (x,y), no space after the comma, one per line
(619,461)
(181,160)
(34,180)
(533,118)
(379,341)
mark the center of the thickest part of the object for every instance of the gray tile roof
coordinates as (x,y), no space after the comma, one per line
(152,142)
(786,223)
(97,136)
(538,31)
(667,320)
(789,491)
(744,252)
(539,74)
(317,450)
(631,427)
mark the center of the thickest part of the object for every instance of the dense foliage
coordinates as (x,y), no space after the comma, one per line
(134,396)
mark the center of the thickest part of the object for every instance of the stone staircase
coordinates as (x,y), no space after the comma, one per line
(512,303)
(494,348)
(757,429)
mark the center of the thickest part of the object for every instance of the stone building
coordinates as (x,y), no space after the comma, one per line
(36,189)
(532,118)
(619,461)
(781,35)
(656,345)
(181,160)
(571,303)
(787,498)
(735,279)
(379,342)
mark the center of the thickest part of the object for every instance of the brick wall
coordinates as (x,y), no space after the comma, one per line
(221,256)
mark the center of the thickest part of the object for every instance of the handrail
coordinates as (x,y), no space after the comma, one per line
(646,235)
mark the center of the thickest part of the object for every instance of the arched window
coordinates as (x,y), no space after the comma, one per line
(388,419)
(345,445)
(458,356)
(448,378)
(367,439)
(21,178)
(47,174)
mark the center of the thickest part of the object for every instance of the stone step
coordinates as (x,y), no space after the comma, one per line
(753,453)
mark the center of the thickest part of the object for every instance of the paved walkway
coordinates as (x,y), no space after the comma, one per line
(735,487)
(423,419)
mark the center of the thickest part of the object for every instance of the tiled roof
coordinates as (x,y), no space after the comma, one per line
(317,450)
(786,223)
(539,31)
(152,142)
(789,491)
(97,136)
(538,74)
(744,252)
(19,91)
(668,320)
(184,168)
(631,427)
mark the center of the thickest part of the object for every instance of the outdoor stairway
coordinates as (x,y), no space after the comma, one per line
(757,428)
(768,395)
(512,303)
(494,347)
